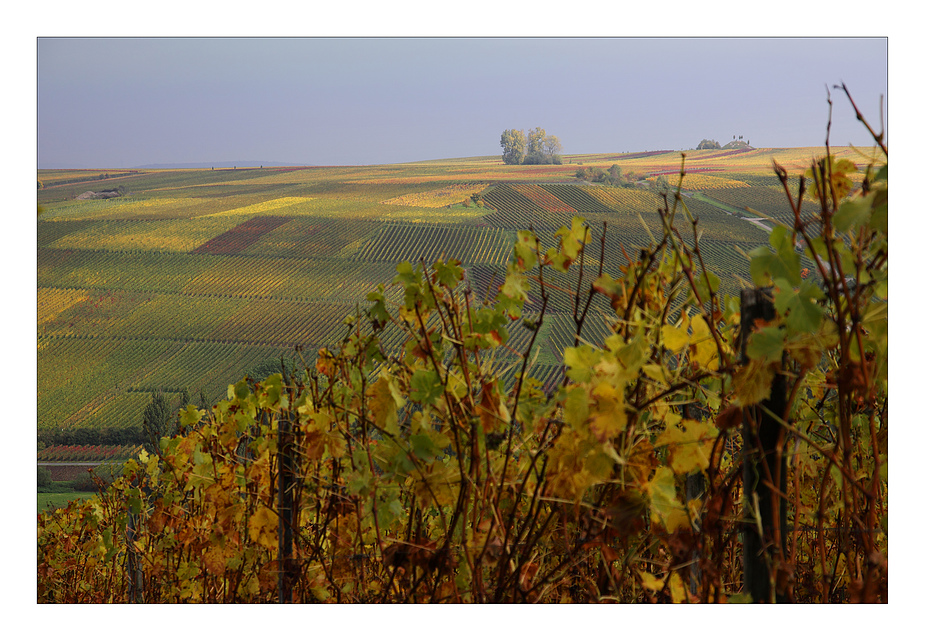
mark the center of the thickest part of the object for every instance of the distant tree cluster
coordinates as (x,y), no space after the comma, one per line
(613,176)
(709,144)
(535,148)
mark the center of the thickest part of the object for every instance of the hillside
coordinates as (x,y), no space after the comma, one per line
(197,276)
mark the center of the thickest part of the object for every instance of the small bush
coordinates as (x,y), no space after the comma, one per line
(43,476)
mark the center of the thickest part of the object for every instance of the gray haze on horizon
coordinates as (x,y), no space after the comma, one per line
(128,102)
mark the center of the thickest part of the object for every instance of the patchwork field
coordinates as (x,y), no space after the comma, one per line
(195,277)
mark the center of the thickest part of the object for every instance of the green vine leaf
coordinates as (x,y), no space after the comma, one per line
(779,261)
(580,361)
(853,213)
(766,343)
(448,273)
(426,387)
(525,251)
(798,307)
(191,415)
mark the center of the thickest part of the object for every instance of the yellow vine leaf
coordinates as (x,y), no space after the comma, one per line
(674,338)
(609,419)
(752,383)
(703,347)
(663,498)
(676,518)
(678,591)
(262,527)
(649,582)
(689,445)
(384,401)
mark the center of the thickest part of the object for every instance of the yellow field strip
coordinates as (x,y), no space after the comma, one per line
(259,208)
(436,197)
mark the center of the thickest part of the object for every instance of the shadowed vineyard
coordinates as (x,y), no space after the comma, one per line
(578,408)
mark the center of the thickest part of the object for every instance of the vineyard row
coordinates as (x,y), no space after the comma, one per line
(99,382)
(430,242)
(235,276)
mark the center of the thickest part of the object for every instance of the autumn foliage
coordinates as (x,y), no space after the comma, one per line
(418,476)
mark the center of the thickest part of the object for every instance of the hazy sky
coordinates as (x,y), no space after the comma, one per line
(122,102)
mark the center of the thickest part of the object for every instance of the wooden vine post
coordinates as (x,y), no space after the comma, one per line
(285,478)
(135,581)
(764,468)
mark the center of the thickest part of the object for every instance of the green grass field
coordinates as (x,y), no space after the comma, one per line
(51,501)
(196,276)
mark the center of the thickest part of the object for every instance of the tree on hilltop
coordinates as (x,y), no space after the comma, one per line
(542,149)
(537,148)
(513,142)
